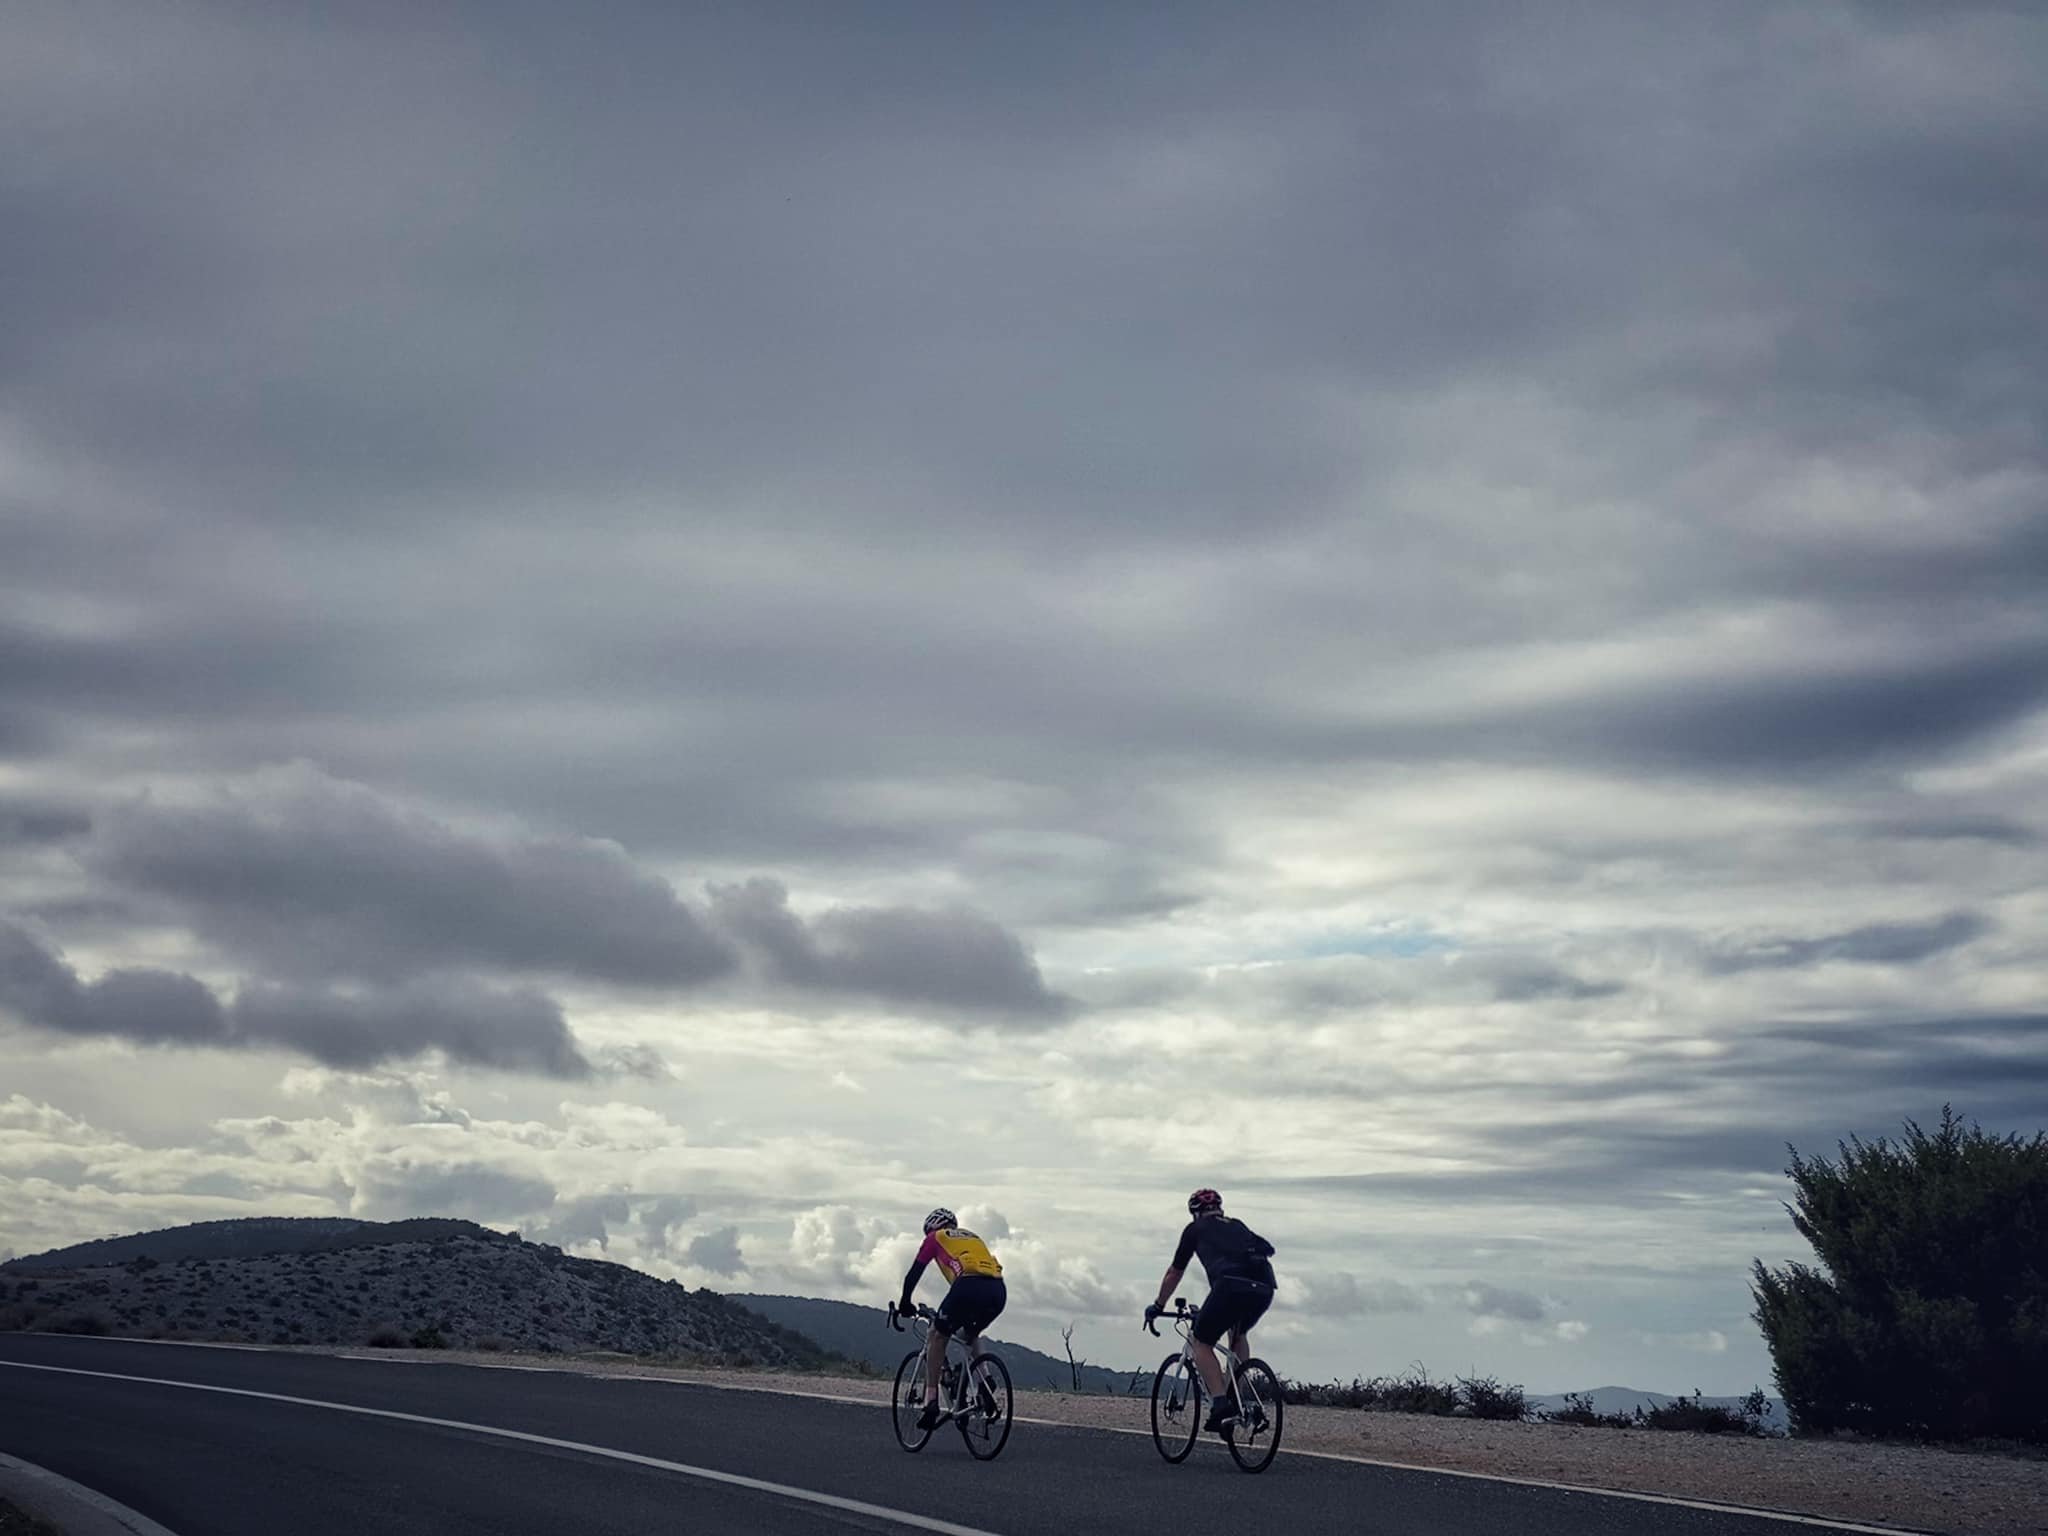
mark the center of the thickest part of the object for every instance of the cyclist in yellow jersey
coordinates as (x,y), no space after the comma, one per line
(975,1296)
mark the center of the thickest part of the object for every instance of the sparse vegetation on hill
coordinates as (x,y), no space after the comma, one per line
(469,1289)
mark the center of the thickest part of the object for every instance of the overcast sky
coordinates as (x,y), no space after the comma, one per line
(697,628)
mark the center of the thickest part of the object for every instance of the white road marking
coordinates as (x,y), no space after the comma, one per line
(704,1474)
(1819,1522)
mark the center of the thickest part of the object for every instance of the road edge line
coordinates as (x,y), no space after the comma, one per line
(1675,1500)
(610,1453)
(71,1506)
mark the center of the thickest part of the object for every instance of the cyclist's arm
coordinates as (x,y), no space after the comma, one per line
(1167,1283)
(916,1273)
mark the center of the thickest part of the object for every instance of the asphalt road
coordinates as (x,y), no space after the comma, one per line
(211,1463)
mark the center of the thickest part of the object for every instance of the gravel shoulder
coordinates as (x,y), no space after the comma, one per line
(1910,1487)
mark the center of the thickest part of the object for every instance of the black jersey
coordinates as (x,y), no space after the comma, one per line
(1226,1247)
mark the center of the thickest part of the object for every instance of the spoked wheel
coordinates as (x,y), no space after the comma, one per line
(1176,1408)
(906,1401)
(1256,1435)
(985,1421)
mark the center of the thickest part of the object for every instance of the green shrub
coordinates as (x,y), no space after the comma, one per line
(1927,1314)
(428,1338)
(386,1336)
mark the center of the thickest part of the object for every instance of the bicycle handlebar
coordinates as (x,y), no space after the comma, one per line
(1180,1313)
(896,1317)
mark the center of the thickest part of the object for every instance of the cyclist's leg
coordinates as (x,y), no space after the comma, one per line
(1210,1321)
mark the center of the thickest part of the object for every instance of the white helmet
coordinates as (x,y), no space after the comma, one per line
(940,1218)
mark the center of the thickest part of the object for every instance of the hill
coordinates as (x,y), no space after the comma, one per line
(449,1285)
(863,1334)
(243,1238)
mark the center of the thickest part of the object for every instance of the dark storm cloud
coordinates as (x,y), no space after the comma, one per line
(933,286)
(516,1031)
(300,874)
(33,822)
(953,960)
(511,1030)
(153,1006)
(303,872)
(1876,944)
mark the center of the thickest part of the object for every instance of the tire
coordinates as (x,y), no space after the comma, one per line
(1176,1408)
(985,1422)
(909,1378)
(1255,1437)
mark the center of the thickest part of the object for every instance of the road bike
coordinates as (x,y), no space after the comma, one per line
(974,1390)
(1177,1394)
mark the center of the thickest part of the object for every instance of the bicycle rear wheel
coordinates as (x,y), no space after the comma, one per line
(1176,1408)
(905,1411)
(1255,1437)
(985,1419)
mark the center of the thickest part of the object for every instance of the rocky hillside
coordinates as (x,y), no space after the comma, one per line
(465,1291)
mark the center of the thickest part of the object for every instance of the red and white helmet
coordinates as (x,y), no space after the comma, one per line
(940,1218)
(1204,1200)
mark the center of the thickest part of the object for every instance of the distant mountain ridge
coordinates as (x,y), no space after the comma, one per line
(862,1333)
(251,1237)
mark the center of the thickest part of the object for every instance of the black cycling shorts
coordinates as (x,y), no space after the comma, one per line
(973,1303)
(1234,1303)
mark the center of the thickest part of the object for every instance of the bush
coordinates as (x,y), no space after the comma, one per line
(428,1338)
(1413,1392)
(1927,1315)
(385,1336)
(1578,1409)
(1486,1397)
(1709,1418)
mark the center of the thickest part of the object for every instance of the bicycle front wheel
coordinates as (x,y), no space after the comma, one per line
(985,1418)
(905,1402)
(1176,1408)
(1255,1437)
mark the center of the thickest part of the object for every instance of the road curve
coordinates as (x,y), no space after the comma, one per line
(199,1440)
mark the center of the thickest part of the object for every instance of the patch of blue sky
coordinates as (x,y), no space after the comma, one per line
(1398,942)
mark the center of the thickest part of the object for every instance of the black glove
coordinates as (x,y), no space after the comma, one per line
(906,1308)
(1154,1311)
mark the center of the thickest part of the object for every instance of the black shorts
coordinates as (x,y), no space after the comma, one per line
(972,1304)
(1234,1303)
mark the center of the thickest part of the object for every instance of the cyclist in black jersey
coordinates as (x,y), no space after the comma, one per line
(1238,1263)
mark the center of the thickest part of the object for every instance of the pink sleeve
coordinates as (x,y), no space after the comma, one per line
(928,1252)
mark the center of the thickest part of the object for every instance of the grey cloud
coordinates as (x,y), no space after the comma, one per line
(948,959)
(299,871)
(661,1215)
(31,822)
(153,1006)
(717,1251)
(1341,1294)
(586,1220)
(479,1025)
(1483,1300)
(393,1188)
(518,1031)
(1875,944)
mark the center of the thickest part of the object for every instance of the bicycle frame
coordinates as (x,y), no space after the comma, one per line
(921,1325)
